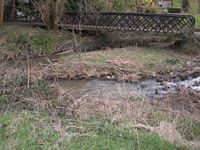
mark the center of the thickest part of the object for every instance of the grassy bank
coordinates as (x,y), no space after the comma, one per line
(19,41)
(122,64)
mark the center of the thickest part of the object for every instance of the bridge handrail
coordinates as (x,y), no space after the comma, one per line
(137,14)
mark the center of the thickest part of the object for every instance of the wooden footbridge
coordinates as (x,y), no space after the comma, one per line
(109,21)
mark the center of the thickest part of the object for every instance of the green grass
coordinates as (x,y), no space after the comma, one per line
(112,138)
(34,130)
(197,17)
(26,130)
(177,3)
(17,38)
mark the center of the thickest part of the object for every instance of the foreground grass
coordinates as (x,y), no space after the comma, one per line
(37,130)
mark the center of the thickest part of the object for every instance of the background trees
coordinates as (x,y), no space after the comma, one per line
(51,11)
(1,11)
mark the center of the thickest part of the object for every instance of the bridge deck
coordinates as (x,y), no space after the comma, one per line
(107,28)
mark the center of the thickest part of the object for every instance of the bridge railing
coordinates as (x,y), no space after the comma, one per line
(165,23)
(145,22)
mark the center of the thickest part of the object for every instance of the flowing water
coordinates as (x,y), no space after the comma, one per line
(192,83)
(99,89)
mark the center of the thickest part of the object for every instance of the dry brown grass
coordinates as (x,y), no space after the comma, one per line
(186,101)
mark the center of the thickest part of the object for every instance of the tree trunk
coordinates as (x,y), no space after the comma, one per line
(1,11)
(52,14)
(138,6)
(185,5)
(199,5)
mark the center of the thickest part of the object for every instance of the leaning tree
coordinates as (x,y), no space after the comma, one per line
(1,11)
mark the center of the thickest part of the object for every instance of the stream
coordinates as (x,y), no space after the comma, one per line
(113,90)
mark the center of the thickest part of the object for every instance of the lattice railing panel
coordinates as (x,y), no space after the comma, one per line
(165,23)
(161,23)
